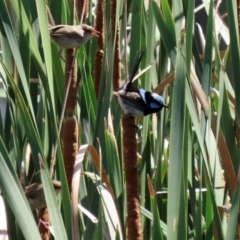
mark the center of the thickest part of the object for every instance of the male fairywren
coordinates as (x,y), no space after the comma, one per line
(137,101)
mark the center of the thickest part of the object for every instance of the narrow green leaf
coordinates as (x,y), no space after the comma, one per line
(231,230)
(189,34)
(176,145)
(235,51)
(15,52)
(136,25)
(43,24)
(29,126)
(168,40)
(177,12)
(55,215)
(207,65)
(15,198)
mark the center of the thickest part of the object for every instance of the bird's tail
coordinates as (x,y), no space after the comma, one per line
(134,68)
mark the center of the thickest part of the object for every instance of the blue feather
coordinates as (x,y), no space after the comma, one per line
(142,94)
(153,105)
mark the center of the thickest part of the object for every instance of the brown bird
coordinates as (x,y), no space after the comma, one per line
(35,194)
(71,36)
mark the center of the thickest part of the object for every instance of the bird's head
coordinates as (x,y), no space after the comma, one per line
(57,186)
(159,100)
(90,31)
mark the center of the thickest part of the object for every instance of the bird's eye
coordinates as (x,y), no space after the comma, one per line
(88,30)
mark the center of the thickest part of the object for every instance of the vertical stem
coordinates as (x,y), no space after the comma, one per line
(134,225)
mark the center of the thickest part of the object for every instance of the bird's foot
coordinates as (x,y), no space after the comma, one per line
(47,225)
(136,128)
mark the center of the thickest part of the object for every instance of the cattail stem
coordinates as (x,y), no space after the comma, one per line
(62,116)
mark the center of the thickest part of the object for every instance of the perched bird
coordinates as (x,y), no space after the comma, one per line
(35,194)
(71,36)
(137,101)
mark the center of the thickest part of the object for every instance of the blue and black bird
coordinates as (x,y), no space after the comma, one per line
(136,101)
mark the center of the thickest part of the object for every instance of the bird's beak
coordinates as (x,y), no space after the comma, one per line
(96,33)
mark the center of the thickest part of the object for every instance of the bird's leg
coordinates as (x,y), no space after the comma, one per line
(44,223)
(136,128)
(60,54)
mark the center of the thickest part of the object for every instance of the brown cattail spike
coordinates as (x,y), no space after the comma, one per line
(44,221)
(100,42)
(70,146)
(134,225)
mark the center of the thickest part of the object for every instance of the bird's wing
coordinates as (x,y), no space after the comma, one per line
(56,28)
(66,30)
(31,190)
(133,99)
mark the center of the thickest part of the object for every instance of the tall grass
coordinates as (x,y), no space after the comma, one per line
(190,151)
